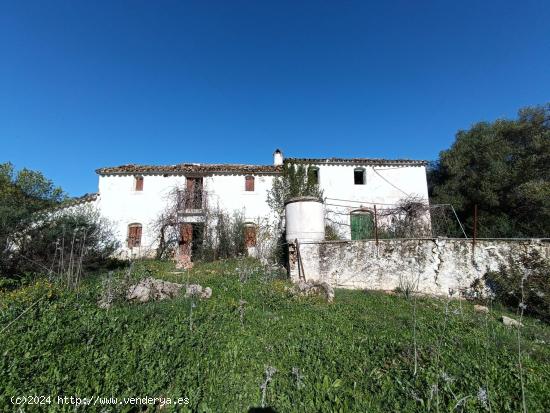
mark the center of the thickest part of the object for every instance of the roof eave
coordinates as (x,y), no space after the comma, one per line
(376,162)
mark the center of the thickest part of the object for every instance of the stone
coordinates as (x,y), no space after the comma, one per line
(309,288)
(206,293)
(193,290)
(510,322)
(196,290)
(481,309)
(104,304)
(149,289)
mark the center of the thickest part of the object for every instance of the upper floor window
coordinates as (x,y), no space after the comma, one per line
(359,176)
(134,235)
(194,193)
(313,173)
(138,183)
(249,183)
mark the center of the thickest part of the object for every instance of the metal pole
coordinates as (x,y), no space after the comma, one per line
(459,223)
(301,272)
(475,227)
(375,225)
(298,259)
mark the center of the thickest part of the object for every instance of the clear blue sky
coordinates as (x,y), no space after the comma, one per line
(85,84)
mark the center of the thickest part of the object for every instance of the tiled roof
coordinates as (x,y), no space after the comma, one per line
(77,201)
(188,168)
(359,161)
(182,168)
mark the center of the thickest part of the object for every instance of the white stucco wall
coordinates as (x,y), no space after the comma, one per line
(122,205)
(385,186)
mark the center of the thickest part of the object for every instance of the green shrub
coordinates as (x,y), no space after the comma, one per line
(332,233)
(222,238)
(526,281)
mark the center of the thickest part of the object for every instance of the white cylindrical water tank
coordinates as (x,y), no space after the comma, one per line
(305,219)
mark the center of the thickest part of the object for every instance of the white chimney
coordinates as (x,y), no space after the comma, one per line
(277,157)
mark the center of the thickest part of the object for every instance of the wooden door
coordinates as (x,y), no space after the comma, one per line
(362,225)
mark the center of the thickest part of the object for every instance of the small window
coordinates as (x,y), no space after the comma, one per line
(249,183)
(250,235)
(313,173)
(134,235)
(359,176)
(139,183)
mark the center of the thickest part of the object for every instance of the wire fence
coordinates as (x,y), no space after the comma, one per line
(409,218)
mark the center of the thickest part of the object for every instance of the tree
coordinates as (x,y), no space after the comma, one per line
(503,167)
(35,230)
(22,194)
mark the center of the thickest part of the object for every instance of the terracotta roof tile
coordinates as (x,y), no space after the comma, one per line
(359,161)
(188,168)
(182,168)
(77,201)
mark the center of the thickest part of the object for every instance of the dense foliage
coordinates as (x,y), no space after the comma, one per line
(37,236)
(503,167)
(225,239)
(525,283)
(356,354)
(22,194)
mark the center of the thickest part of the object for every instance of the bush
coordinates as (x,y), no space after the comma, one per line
(62,245)
(526,281)
(40,234)
(332,233)
(223,237)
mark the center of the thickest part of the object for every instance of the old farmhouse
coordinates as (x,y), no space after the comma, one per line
(132,197)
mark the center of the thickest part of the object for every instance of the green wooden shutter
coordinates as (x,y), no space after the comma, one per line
(362,226)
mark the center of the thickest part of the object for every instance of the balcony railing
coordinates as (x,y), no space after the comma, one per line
(191,201)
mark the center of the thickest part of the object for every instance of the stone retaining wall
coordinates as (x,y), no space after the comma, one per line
(436,265)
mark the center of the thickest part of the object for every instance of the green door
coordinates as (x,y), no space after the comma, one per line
(362,226)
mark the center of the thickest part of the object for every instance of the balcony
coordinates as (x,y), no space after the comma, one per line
(191,202)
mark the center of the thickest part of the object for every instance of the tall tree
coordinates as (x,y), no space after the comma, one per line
(504,168)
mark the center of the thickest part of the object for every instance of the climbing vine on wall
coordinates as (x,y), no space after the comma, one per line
(295,180)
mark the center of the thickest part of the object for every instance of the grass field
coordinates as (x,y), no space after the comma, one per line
(356,354)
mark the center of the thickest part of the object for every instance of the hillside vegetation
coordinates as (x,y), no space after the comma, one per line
(253,343)
(502,167)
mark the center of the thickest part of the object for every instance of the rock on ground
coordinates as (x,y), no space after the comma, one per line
(196,290)
(309,288)
(104,304)
(150,289)
(481,309)
(510,322)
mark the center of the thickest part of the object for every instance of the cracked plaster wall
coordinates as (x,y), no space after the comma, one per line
(437,265)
